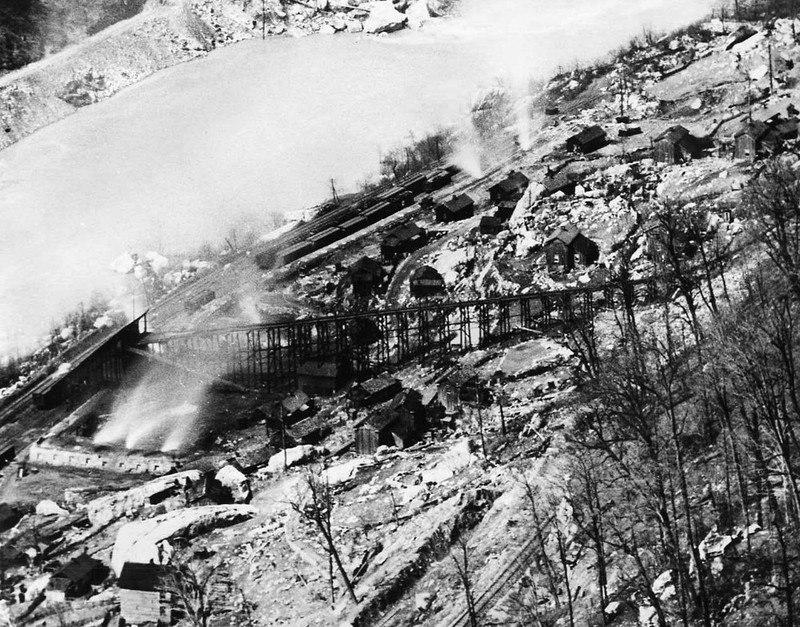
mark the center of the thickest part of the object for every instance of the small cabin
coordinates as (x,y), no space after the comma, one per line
(490,225)
(402,240)
(376,390)
(510,188)
(308,431)
(425,281)
(142,594)
(505,210)
(459,207)
(367,277)
(756,138)
(676,145)
(559,182)
(76,578)
(399,424)
(588,140)
(320,378)
(459,387)
(568,248)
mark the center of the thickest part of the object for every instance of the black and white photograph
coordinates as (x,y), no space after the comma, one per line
(384,313)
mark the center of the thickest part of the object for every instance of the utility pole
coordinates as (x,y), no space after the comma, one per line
(333,192)
(263,19)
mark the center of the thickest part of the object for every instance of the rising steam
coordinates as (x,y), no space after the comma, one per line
(160,413)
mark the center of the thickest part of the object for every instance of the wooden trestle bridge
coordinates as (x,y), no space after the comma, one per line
(268,356)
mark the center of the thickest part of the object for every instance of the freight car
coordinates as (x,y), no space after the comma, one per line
(345,220)
(196,302)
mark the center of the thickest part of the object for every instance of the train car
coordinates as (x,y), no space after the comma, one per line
(194,303)
(52,393)
(416,183)
(378,212)
(353,225)
(437,180)
(328,236)
(293,253)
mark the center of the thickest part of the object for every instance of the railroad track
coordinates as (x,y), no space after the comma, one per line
(487,599)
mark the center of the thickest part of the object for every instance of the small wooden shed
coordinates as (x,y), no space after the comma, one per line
(568,248)
(505,210)
(560,182)
(425,281)
(512,187)
(142,594)
(676,145)
(398,424)
(367,276)
(76,578)
(402,240)
(462,386)
(376,390)
(490,225)
(588,140)
(459,207)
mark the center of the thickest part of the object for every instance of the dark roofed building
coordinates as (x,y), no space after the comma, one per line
(460,386)
(309,431)
(398,424)
(376,390)
(426,281)
(76,578)
(561,182)
(588,140)
(676,145)
(320,378)
(505,210)
(568,248)
(142,595)
(367,276)
(459,207)
(756,138)
(490,225)
(401,240)
(510,188)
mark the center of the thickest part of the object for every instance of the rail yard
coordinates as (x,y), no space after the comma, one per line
(399,411)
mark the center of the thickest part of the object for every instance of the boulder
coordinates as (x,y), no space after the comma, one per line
(417,13)
(354,26)
(293,457)
(338,24)
(49,508)
(235,481)
(327,29)
(438,8)
(384,18)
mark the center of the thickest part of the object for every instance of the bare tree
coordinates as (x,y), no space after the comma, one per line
(460,557)
(316,509)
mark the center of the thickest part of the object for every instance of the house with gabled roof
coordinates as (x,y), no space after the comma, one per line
(568,248)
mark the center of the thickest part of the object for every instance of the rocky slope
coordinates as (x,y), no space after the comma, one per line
(168,32)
